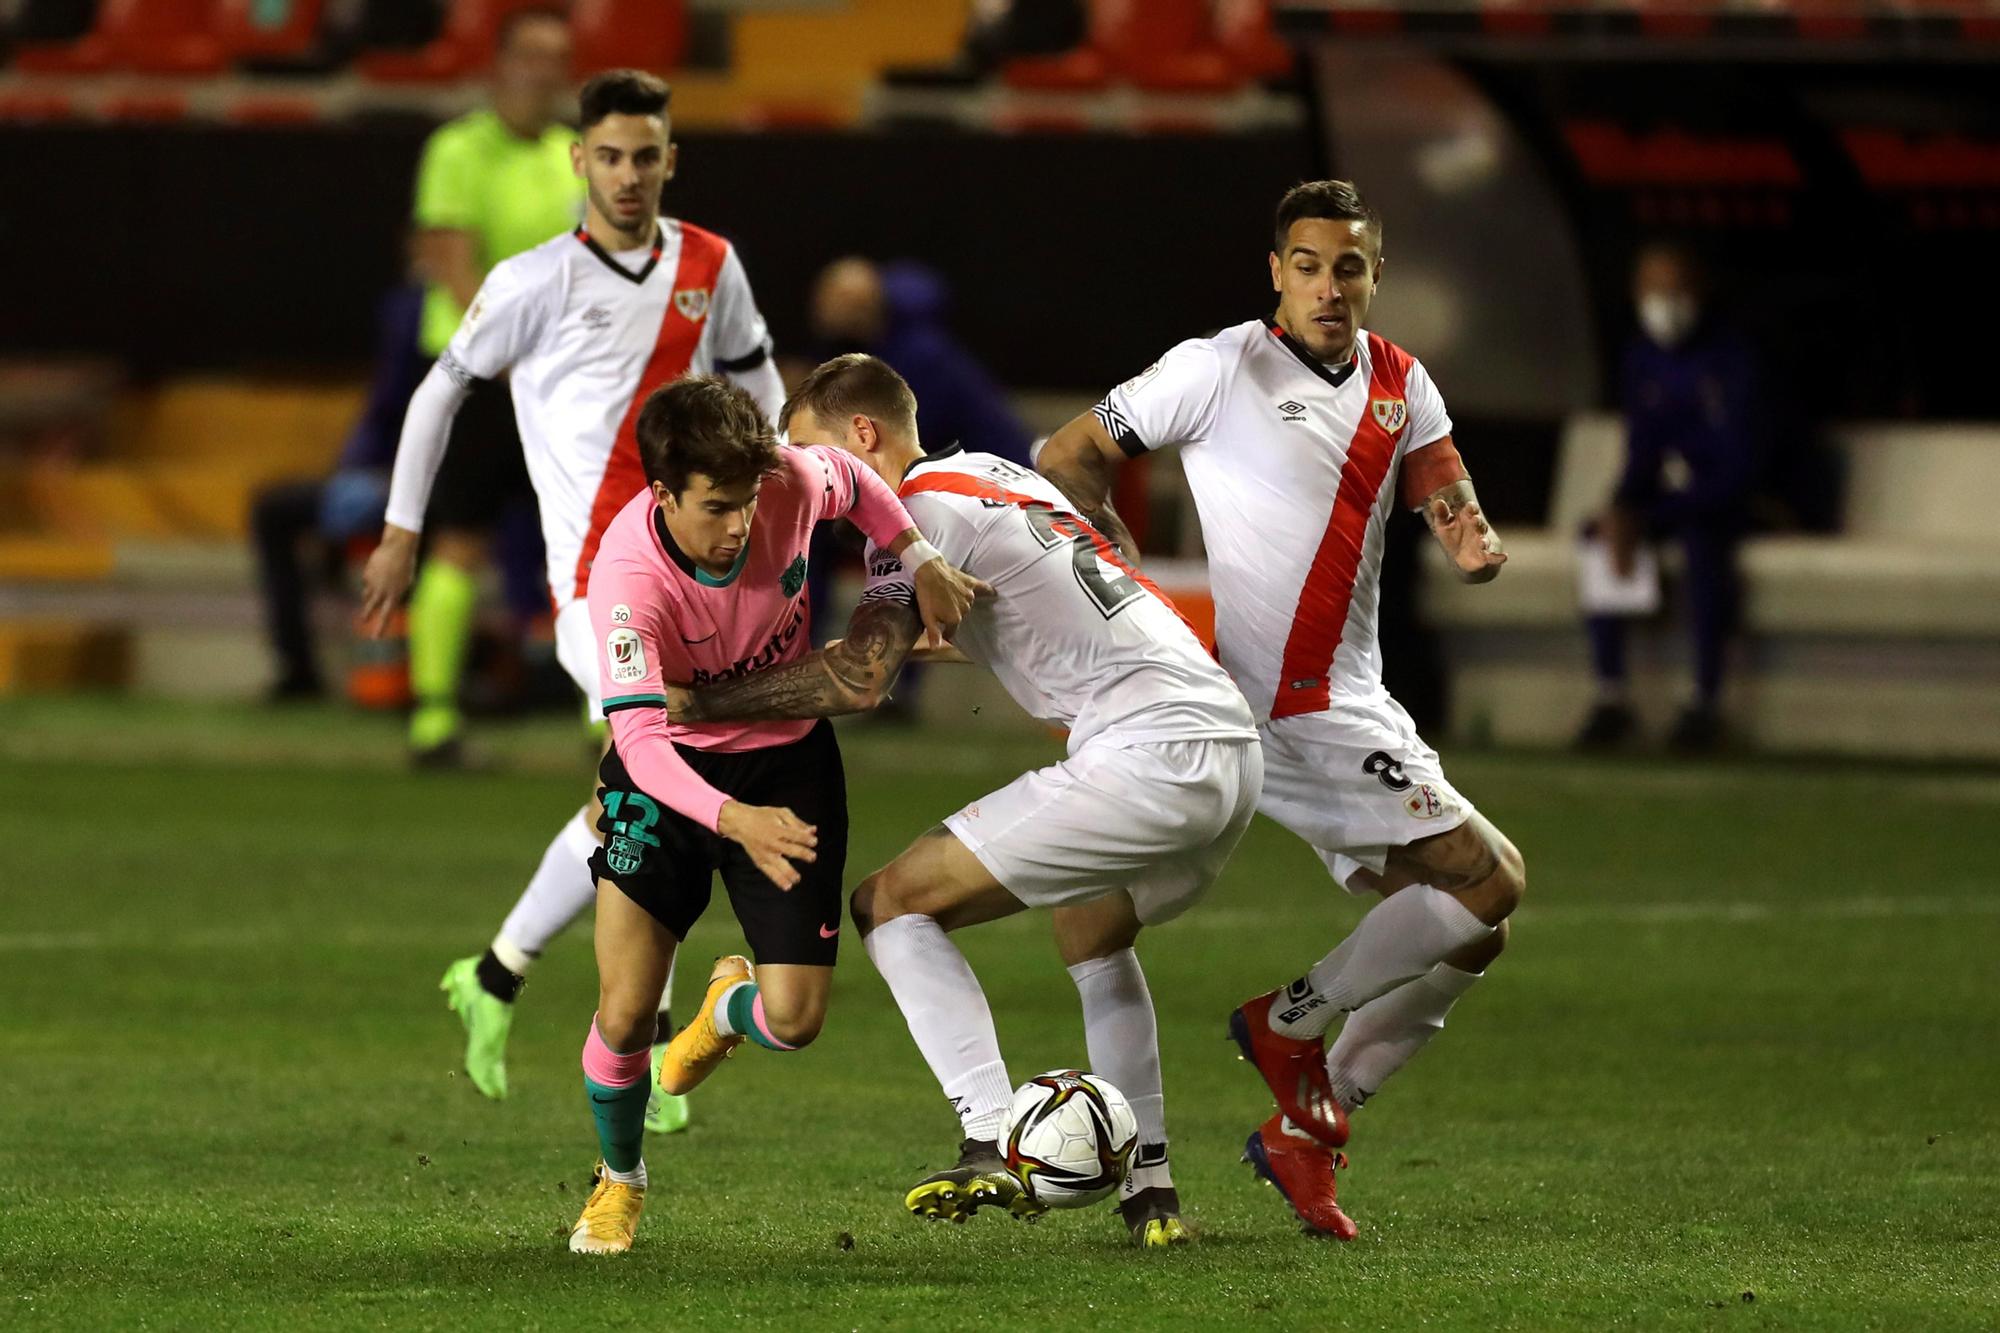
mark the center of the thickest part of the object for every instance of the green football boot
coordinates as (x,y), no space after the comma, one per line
(666,1112)
(486,1020)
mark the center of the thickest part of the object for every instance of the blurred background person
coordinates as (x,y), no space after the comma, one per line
(323,515)
(1695,443)
(896,311)
(490,185)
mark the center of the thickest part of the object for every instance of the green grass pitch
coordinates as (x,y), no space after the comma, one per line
(1739,1071)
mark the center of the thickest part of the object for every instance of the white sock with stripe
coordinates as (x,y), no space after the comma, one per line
(1384,1034)
(1402,937)
(1122,1037)
(948,1016)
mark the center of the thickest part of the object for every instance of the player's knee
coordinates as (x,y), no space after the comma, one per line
(1510,880)
(795,1024)
(626,1020)
(1084,935)
(879,898)
(464,551)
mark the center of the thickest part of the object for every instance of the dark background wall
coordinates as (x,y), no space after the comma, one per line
(1075,259)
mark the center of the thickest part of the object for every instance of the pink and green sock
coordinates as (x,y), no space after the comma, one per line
(617,1085)
(741,1013)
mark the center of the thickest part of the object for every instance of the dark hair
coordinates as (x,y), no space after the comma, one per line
(854,385)
(704,424)
(1336,200)
(623,92)
(511,24)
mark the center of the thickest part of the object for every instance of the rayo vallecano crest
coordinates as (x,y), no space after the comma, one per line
(1390,414)
(692,302)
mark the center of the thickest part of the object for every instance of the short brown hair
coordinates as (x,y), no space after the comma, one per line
(704,424)
(1338,201)
(850,386)
(622,92)
(503,32)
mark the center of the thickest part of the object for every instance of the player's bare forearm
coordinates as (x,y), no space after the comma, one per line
(1080,460)
(1462,530)
(852,675)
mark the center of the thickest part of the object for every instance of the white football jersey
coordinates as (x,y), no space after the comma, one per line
(1293,464)
(1076,635)
(584,339)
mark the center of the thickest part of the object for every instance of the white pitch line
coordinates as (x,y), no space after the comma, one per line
(1871,908)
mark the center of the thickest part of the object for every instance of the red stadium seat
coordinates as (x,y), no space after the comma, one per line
(1244,30)
(1162,45)
(464,47)
(247,33)
(35,106)
(161,106)
(144,36)
(637,34)
(1673,19)
(269,111)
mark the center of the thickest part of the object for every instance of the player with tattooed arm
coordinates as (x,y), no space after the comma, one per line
(1130,829)
(686,587)
(1300,433)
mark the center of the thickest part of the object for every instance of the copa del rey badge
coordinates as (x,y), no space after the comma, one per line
(692,302)
(1390,414)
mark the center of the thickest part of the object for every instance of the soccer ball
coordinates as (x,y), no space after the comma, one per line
(1069,1137)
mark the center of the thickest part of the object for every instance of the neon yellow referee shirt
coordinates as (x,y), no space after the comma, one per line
(511,193)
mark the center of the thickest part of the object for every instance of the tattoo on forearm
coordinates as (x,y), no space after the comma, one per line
(848,679)
(1086,483)
(1084,479)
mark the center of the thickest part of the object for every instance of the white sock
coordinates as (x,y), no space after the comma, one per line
(948,1016)
(666,992)
(1402,937)
(721,1015)
(636,1177)
(1149,1170)
(1123,1039)
(559,892)
(1382,1035)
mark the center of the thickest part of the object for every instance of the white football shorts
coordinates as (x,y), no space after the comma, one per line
(1157,819)
(1355,781)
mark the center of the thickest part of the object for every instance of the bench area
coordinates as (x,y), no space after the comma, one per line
(1883,640)
(127,566)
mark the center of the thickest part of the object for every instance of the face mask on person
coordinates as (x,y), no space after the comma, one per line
(1667,317)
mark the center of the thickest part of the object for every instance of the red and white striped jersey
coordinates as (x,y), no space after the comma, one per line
(1077,636)
(585,336)
(1293,464)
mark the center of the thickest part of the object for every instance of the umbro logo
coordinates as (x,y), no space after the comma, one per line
(597,317)
(1292,410)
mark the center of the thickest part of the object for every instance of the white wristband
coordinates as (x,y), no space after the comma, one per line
(919,553)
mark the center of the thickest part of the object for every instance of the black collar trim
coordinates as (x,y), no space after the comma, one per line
(1334,375)
(669,547)
(949,451)
(659,247)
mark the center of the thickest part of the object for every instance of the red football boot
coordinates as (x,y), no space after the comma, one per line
(1293,1069)
(1302,1171)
